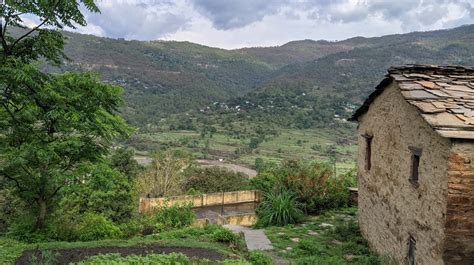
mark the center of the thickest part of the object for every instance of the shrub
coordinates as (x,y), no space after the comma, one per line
(104,191)
(23,230)
(313,183)
(175,216)
(278,208)
(266,182)
(96,227)
(215,179)
(259,258)
(224,236)
(133,227)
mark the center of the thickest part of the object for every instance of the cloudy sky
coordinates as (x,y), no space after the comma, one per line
(243,23)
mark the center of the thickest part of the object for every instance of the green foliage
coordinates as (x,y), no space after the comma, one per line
(45,43)
(101,190)
(224,236)
(69,120)
(266,181)
(50,124)
(174,216)
(10,207)
(95,227)
(122,159)
(259,258)
(115,258)
(278,208)
(23,229)
(215,179)
(313,184)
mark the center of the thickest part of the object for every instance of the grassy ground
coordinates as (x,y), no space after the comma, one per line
(10,249)
(331,238)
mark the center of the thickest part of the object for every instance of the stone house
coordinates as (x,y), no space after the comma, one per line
(416,165)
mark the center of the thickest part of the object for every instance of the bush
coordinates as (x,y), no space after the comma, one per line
(104,191)
(278,208)
(266,182)
(175,216)
(259,258)
(96,227)
(313,183)
(224,236)
(23,230)
(133,227)
(215,179)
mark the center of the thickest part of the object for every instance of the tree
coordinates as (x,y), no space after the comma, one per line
(39,42)
(68,120)
(49,124)
(123,160)
(165,175)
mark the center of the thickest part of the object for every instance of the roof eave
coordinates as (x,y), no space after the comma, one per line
(378,90)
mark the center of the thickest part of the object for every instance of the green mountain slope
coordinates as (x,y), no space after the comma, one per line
(354,73)
(167,77)
(161,77)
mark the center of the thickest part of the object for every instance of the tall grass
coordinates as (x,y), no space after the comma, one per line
(279,208)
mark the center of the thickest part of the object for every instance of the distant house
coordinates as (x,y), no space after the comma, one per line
(416,165)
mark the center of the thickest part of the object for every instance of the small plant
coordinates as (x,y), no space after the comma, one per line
(115,258)
(259,258)
(43,257)
(278,208)
(175,216)
(224,236)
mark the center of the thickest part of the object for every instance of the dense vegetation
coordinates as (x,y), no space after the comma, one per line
(296,187)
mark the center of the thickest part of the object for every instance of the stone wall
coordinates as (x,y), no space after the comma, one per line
(210,199)
(390,207)
(459,245)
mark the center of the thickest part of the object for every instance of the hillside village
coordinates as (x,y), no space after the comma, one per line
(117,151)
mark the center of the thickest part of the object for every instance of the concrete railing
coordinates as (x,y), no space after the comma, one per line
(210,199)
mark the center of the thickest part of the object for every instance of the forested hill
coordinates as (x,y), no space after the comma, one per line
(165,77)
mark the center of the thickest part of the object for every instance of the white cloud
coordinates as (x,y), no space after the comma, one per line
(239,23)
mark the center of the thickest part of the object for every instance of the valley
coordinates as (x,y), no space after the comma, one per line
(275,103)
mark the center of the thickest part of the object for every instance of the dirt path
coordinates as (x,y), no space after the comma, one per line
(67,256)
(145,160)
(234,167)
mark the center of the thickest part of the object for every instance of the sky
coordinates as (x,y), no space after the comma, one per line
(233,24)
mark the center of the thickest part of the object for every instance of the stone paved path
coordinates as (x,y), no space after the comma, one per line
(255,239)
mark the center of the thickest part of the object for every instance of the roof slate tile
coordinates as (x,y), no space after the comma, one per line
(443,94)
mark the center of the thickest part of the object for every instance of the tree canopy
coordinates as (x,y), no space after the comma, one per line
(50,124)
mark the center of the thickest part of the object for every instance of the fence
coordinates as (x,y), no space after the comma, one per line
(211,199)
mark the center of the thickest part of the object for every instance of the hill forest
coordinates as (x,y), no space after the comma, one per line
(92,129)
(274,103)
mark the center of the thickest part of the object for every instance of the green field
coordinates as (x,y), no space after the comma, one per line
(302,144)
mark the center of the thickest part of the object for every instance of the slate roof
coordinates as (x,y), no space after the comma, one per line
(444,95)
